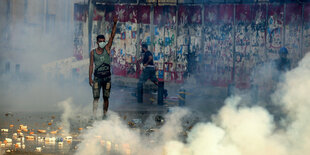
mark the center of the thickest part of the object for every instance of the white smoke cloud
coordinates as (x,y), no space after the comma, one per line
(117,132)
(173,126)
(237,129)
(207,138)
(30,45)
(66,115)
(107,133)
(293,95)
(250,129)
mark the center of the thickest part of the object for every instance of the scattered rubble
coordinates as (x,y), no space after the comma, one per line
(29,137)
(8,114)
(68,139)
(38,149)
(5,130)
(54,132)
(41,131)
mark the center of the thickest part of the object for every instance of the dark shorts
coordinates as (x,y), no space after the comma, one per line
(98,84)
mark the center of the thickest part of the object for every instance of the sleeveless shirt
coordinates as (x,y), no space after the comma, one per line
(99,59)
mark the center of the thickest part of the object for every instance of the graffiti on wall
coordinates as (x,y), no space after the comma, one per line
(80,16)
(293,26)
(216,63)
(306,29)
(242,45)
(274,29)
(183,46)
(188,40)
(164,43)
(250,42)
(124,54)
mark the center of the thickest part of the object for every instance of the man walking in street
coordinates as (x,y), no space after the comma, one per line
(148,72)
(100,57)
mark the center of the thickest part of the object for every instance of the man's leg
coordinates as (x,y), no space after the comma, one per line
(153,77)
(106,95)
(105,106)
(142,79)
(140,91)
(96,95)
(95,107)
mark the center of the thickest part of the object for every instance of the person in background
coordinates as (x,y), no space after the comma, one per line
(283,64)
(149,71)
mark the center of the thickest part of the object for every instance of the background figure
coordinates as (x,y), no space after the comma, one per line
(148,72)
(283,64)
(102,75)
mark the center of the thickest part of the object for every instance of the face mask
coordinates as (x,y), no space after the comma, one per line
(102,44)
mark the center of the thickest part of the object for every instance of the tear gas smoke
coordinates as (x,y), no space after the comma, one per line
(31,41)
(32,89)
(65,123)
(117,132)
(235,129)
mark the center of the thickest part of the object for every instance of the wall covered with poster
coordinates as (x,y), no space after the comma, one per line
(219,44)
(217,58)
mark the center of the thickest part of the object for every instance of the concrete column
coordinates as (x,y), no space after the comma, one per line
(176,33)
(234,45)
(266,26)
(284,22)
(90,23)
(302,53)
(202,30)
(160,93)
(152,29)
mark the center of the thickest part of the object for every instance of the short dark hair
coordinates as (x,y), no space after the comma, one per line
(144,45)
(100,36)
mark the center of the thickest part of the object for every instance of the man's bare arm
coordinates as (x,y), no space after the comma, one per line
(91,67)
(108,47)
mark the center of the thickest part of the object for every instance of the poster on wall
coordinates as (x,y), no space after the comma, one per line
(306,29)
(211,14)
(257,56)
(226,12)
(164,15)
(195,14)
(80,12)
(144,14)
(184,14)
(133,14)
(215,65)
(293,28)
(121,12)
(159,15)
(164,40)
(242,45)
(96,16)
(274,29)
(109,13)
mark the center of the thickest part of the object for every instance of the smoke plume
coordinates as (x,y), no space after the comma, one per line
(236,129)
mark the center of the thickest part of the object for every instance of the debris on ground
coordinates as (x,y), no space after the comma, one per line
(8,114)
(5,130)
(41,131)
(38,149)
(54,132)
